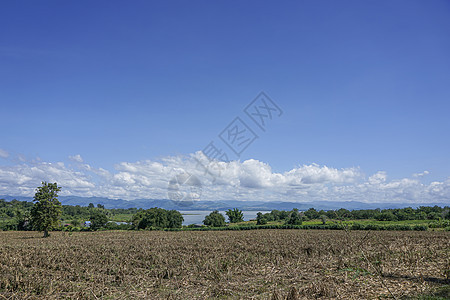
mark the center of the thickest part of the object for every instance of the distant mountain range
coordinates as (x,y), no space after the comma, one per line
(224,205)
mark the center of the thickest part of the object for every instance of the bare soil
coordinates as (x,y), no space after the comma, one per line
(256,264)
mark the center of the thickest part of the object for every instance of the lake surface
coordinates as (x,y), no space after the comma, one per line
(197,216)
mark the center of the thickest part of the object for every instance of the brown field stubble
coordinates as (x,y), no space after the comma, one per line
(221,264)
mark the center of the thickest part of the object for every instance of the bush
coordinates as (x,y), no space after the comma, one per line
(420,228)
(386,216)
(114,226)
(157,218)
(67,228)
(214,219)
(439,224)
(260,219)
(98,220)
(295,218)
(358,226)
(235,215)
(8,225)
(372,227)
(75,222)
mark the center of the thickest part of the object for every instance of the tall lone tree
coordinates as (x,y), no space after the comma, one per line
(47,208)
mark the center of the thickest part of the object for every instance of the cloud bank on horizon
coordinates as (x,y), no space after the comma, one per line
(247,180)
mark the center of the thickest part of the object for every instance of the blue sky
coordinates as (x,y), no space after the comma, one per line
(364,87)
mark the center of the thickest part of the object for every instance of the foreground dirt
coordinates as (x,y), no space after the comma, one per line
(258,264)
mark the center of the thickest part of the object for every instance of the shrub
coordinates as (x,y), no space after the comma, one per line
(372,227)
(420,228)
(294,218)
(260,219)
(439,224)
(114,226)
(358,226)
(75,222)
(235,215)
(214,219)
(386,216)
(158,218)
(98,220)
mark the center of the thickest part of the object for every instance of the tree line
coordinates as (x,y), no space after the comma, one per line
(392,214)
(47,213)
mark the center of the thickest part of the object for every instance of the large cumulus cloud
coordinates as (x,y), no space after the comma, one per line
(246,180)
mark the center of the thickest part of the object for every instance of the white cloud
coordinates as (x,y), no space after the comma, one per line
(378,178)
(76,158)
(314,174)
(22,179)
(421,174)
(3,153)
(247,180)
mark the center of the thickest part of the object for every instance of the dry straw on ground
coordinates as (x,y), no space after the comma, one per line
(258,264)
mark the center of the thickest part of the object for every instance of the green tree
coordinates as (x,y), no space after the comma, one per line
(157,217)
(295,218)
(388,216)
(445,213)
(137,220)
(235,215)
(47,208)
(23,220)
(98,219)
(260,219)
(401,215)
(421,215)
(214,219)
(275,215)
(312,214)
(75,222)
(174,218)
(343,213)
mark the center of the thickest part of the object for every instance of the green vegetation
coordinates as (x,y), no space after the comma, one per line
(98,219)
(16,215)
(398,214)
(214,219)
(334,226)
(294,218)
(48,213)
(47,209)
(157,218)
(235,215)
(260,219)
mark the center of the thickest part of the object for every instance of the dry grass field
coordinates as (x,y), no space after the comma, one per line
(257,264)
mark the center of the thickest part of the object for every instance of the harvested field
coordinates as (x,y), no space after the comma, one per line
(222,264)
